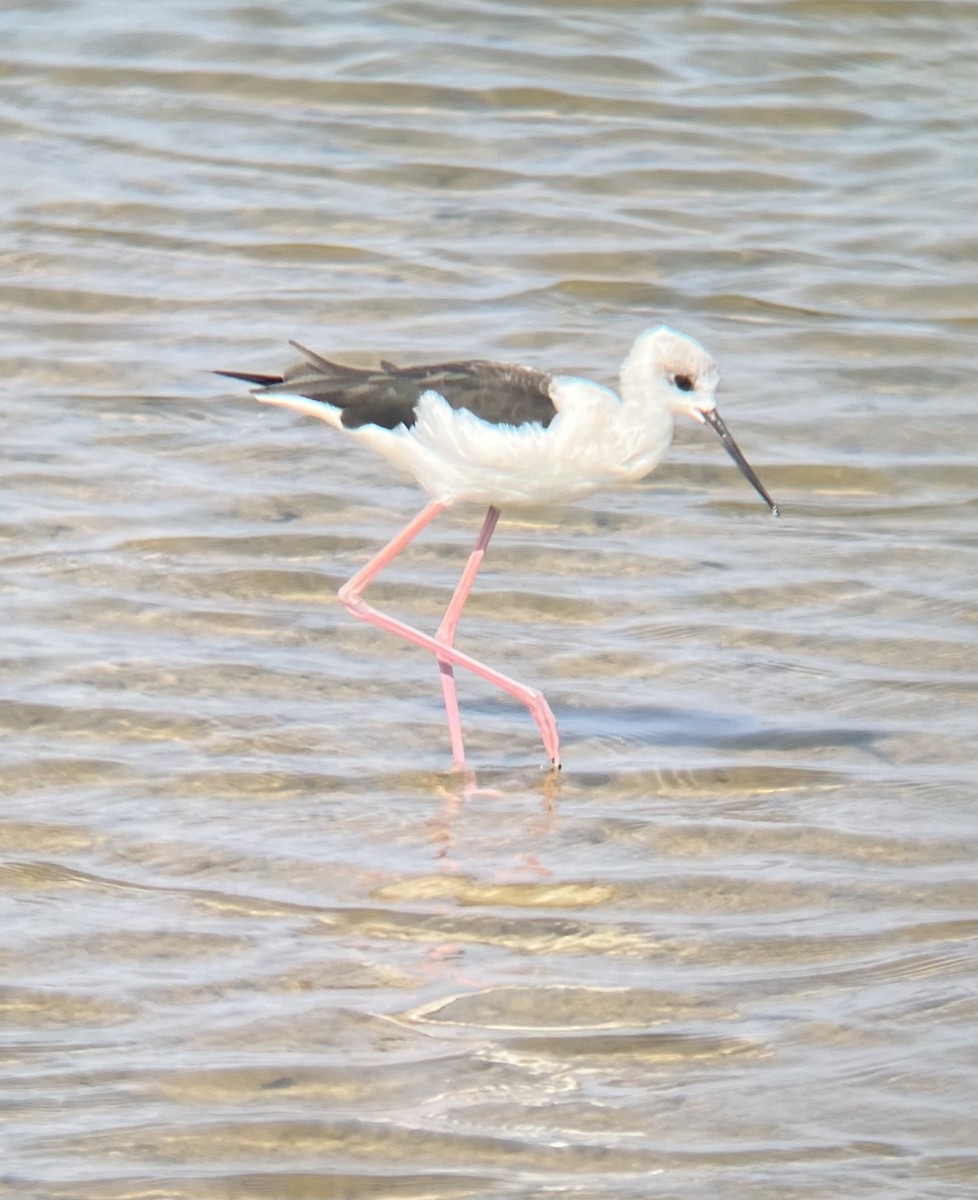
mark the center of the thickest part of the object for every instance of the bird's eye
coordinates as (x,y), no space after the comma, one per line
(683,382)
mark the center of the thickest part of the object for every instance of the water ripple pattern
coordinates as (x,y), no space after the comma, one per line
(256,941)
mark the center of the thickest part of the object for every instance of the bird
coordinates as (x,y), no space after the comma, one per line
(501,435)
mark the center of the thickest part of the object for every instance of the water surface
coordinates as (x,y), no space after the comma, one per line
(257,942)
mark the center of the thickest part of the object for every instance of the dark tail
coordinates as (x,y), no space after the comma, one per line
(259,380)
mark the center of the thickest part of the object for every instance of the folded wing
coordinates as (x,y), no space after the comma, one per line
(499,393)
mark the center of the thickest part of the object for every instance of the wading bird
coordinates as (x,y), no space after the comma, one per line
(498,435)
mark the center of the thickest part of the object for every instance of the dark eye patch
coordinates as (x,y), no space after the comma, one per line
(683,382)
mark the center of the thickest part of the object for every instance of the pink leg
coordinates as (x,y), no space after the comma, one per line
(445,634)
(351,595)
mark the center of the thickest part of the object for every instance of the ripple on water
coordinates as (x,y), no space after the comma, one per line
(258,939)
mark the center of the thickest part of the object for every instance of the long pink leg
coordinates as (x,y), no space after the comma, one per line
(445,634)
(351,595)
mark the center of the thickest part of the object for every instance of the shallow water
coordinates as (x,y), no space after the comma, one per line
(257,942)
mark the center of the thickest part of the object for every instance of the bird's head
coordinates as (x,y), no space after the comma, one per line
(682,376)
(681,373)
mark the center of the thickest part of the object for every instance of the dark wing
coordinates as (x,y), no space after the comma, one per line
(499,393)
(259,380)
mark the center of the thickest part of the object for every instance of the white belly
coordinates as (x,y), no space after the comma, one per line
(592,443)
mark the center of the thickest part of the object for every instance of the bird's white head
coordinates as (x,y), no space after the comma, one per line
(674,369)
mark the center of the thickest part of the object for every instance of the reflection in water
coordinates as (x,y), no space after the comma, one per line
(470,791)
(256,941)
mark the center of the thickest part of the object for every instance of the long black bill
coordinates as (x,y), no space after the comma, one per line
(712,417)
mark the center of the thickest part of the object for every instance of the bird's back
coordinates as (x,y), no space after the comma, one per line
(388,395)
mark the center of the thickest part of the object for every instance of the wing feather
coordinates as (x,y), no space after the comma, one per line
(499,393)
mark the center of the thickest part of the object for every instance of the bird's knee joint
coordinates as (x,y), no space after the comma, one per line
(350,597)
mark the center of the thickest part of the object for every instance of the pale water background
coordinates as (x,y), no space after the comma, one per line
(254,943)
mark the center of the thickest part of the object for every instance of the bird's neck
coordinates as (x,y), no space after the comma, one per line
(645,419)
(636,372)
